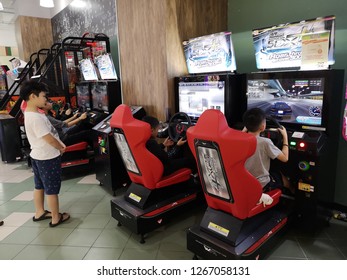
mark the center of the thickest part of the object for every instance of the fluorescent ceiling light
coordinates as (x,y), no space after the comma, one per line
(1,6)
(47,3)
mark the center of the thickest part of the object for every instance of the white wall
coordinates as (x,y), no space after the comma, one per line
(7,35)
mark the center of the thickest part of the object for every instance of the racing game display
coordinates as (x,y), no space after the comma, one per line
(298,101)
(210,53)
(196,97)
(99,96)
(83,96)
(281,46)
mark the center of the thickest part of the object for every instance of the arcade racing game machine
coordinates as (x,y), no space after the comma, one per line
(234,225)
(151,199)
(306,99)
(90,78)
(60,71)
(98,99)
(308,104)
(3,81)
(9,131)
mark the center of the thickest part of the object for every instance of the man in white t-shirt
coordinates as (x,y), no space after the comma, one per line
(46,151)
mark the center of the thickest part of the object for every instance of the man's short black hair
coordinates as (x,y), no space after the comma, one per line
(31,86)
(253,119)
(153,122)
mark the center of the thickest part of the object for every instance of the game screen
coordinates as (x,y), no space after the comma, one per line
(211,53)
(99,95)
(83,97)
(282,46)
(196,97)
(298,101)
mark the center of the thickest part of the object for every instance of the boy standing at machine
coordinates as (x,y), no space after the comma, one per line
(46,151)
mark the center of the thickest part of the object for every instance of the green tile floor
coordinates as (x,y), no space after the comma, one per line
(92,233)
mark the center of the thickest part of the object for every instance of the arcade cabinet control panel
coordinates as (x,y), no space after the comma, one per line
(310,142)
(95,117)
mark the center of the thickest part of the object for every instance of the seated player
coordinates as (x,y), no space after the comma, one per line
(69,131)
(259,163)
(65,112)
(172,156)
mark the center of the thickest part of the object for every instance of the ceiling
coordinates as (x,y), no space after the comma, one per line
(8,15)
(32,8)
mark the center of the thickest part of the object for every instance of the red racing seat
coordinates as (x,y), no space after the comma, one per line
(221,152)
(76,147)
(143,167)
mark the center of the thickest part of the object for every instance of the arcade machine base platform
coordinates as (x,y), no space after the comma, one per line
(144,218)
(254,238)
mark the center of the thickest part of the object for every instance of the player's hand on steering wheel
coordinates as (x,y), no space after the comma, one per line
(283,131)
(178,125)
(168,142)
(83,116)
(274,131)
(181,141)
(68,112)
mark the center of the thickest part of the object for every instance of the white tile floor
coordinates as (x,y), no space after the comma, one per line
(92,233)
(24,196)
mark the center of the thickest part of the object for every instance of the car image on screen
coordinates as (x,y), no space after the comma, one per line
(281,110)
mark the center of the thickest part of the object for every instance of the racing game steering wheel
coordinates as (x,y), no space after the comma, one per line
(178,125)
(272,132)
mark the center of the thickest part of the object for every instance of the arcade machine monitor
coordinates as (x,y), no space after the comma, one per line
(99,96)
(308,44)
(296,99)
(199,93)
(210,54)
(196,93)
(83,96)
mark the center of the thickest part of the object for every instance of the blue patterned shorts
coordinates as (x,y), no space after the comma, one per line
(47,174)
